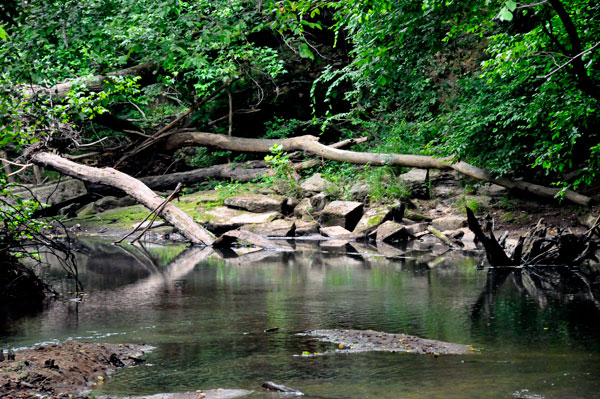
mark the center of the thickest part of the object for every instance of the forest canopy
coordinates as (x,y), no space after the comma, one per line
(509,86)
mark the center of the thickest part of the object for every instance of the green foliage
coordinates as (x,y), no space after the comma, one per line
(285,175)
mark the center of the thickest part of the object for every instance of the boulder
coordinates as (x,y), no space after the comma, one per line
(342,213)
(257,202)
(306,228)
(222,218)
(336,232)
(315,183)
(359,191)
(449,223)
(391,231)
(106,203)
(372,218)
(303,207)
(88,210)
(416,182)
(276,228)
(417,228)
(244,237)
(318,202)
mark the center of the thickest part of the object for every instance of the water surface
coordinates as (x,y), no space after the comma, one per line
(206,313)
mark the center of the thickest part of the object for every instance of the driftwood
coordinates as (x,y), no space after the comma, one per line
(175,216)
(311,145)
(537,247)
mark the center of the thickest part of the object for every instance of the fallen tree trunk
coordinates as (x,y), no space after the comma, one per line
(138,190)
(311,145)
(241,172)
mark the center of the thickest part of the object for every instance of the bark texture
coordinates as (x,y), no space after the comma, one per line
(311,145)
(138,190)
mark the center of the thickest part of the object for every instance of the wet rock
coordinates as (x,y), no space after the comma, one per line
(223,218)
(257,203)
(388,250)
(315,183)
(270,385)
(416,216)
(276,228)
(372,218)
(391,231)
(449,223)
(416,181)
(306,227)
(226,240)
(336,232)
(342,213)
(355,341)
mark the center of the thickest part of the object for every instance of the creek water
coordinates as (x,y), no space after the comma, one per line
(537,336)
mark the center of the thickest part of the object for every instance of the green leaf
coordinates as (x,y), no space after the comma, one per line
(511,5)
(305,51)
(505,15)
(3,34)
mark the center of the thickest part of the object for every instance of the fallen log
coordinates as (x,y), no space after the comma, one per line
(311,145)
(138,190)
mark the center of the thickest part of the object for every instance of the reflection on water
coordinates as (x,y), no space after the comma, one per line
(206,313)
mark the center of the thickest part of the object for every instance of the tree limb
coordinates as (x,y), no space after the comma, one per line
(311,145)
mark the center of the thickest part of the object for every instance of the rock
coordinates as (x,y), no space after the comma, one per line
(336,232)
(222,218)
(492,190)
(444,186)
(416,228)
(335,245)
(88,210)
(318,202)
(388,250)
(276,228)
(303,207)
(257,203)
(359,192)
(227,239)
(449,223)
(341,213)
(372,218)
(306,228)
(270,385)
(416,217)
(588,220)
(53,193)
(315,183)
(416,182)
(70,210)
(206,394)
(111,202)
(391,231)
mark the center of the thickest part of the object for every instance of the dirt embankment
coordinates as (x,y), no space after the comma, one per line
(69,370)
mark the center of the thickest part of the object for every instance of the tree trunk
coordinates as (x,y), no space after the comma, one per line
(311,145)
(138,190)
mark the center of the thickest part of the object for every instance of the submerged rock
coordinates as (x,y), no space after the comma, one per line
(355,341)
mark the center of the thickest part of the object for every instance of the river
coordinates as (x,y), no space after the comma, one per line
(536,336)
